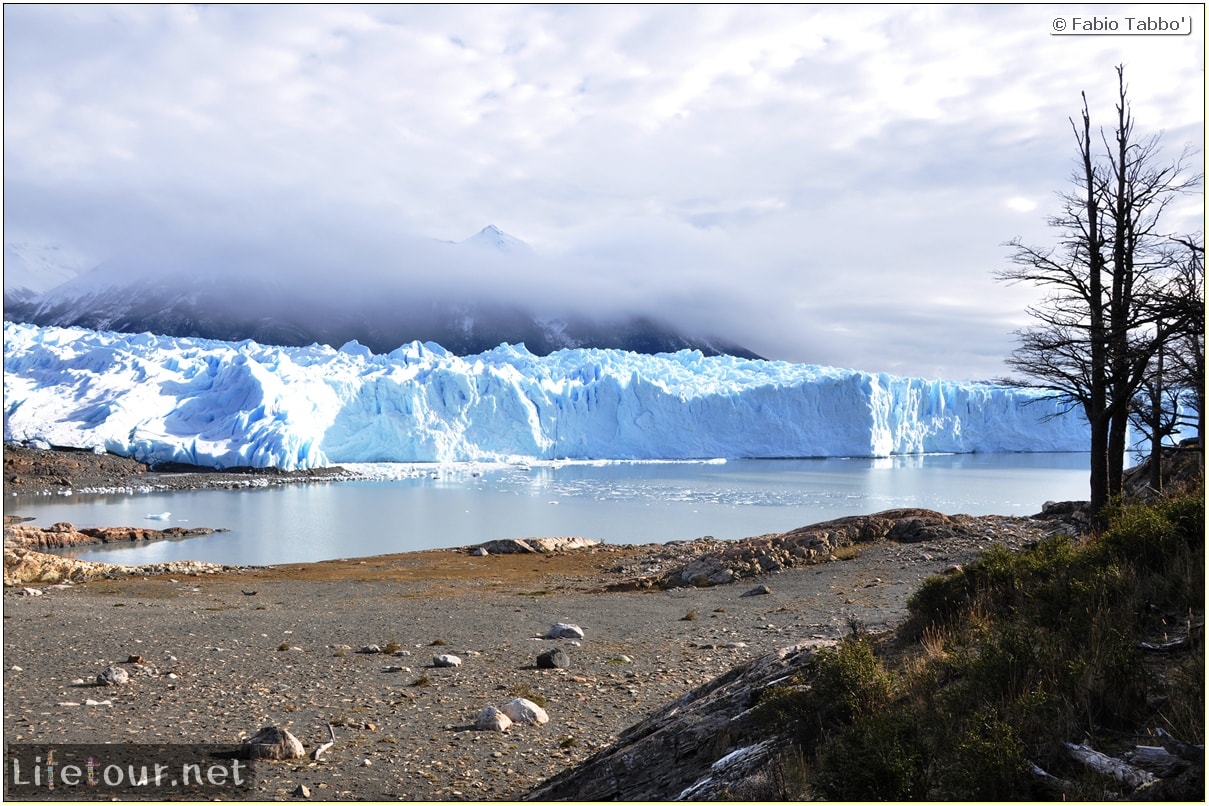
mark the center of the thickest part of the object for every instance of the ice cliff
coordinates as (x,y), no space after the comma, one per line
(225,404)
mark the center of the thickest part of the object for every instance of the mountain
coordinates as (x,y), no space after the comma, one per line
(231,298)
(493,238)
(32,268)
(223,404)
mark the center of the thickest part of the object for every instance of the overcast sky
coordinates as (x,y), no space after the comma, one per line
(827,185)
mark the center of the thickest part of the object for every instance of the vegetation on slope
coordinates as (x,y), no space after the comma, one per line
(1095,641)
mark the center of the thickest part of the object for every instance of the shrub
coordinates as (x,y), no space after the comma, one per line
(1014,655)
(880,757)
(851,680)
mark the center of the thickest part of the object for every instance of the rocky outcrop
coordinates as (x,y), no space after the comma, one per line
(729,562)
(705,745)
(533,545)
(1183,468)
(65,535)
(28,567)
(30,469)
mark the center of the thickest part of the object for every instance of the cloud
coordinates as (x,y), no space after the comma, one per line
(825,184)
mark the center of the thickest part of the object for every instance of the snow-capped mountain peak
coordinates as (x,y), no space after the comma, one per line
(494,238)
(31,268)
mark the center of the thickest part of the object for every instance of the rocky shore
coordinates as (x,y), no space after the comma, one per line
(37,471)
(350,648)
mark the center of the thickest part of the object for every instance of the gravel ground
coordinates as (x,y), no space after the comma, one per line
(219,664)
(222,655)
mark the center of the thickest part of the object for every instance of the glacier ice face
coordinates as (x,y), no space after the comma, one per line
(227,404)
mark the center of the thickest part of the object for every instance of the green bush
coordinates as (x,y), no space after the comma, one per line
(851,681)
(880,757)
(985,761)
(1017,653)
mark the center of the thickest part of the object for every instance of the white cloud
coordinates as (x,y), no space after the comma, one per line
(1020,204)
(728,164)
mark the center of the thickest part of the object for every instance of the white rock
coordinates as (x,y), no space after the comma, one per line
(526,712)
(561,630)
(492,718)
(30,592)
(448,661)
(113,676)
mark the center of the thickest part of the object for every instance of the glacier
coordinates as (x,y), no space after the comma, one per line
(244,404)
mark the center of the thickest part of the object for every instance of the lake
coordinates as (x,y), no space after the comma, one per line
(618,502)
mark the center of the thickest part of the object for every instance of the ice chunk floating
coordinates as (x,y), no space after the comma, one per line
(223,404)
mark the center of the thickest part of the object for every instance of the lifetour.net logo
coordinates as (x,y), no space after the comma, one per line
(124,771)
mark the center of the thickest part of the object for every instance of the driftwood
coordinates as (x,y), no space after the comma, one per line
(1169,772)
(1052,781)
(1157,760)
(321,749)
(1126,773)
(1189,752)
(1175,644)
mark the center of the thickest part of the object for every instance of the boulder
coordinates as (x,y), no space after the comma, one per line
(113,676)
(561,630)
(446,661)
(272,743)
(492,718)
(525,712)
(556,658)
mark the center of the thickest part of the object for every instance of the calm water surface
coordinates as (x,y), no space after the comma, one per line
(449,506)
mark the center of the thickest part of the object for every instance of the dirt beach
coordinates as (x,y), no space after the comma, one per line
(214,657)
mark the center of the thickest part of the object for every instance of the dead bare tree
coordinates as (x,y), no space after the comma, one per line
(1103,318)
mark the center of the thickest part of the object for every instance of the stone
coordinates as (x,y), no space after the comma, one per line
(561,630)
(446,661)
(370,649)
(759,590)
(525,712)
(272,743)
(113,676)
(556,658)
(492,718)
(302,791)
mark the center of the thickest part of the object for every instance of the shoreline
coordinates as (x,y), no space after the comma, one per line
(217,653)
(221,655)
